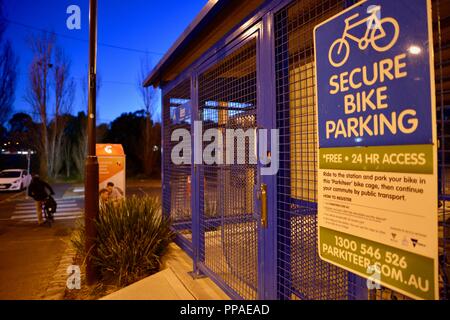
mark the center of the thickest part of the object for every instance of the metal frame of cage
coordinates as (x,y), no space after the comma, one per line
(288,266)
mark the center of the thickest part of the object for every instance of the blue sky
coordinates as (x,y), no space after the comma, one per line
(145,25)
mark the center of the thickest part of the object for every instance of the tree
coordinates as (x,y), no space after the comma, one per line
(49,77)
(37,93)
(3,133)
(23,129)
(8,73)
(79,142)
(126,130)
(8,76)
(148,95)
(73,133)
(2,20)
(64,96)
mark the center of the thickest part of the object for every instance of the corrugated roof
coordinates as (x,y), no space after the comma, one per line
(215,20)
(208,10)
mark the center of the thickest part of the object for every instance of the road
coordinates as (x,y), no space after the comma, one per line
(150,188)
(29,254)
(4,195)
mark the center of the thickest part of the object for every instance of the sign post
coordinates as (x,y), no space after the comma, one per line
(91,163)
(377,176)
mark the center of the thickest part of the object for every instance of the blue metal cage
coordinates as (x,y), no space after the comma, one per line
(262,76)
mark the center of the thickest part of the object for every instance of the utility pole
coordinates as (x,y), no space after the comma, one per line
(91,164)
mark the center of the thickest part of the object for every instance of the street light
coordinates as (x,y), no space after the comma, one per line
(91,163)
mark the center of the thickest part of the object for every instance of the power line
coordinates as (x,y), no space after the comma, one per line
(85,79)
(83,40)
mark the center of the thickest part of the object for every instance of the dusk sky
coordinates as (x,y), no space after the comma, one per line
(140,25)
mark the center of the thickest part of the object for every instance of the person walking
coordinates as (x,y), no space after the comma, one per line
(39,190)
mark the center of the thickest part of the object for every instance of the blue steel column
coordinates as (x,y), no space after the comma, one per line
(283,232)
(165,165)
(267,277)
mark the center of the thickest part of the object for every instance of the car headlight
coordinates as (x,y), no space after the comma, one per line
(17,181)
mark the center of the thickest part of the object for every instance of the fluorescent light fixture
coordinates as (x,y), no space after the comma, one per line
(414,49)
(178,101)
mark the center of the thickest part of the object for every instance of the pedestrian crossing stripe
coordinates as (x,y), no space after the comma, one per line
(56,219)
(66,210)
(34,210)
(56,199)
(57,215)
(33,204)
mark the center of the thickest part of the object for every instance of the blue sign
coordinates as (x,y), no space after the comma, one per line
(181,113)
(373,75)
(377,143)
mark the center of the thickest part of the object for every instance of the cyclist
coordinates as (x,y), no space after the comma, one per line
(39,190)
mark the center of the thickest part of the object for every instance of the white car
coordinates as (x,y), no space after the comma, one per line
(14,179)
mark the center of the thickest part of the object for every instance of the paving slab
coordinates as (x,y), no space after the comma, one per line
(174,282)
(163,285)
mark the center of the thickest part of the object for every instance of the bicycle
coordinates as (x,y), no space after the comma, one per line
(48,214)
(374,24)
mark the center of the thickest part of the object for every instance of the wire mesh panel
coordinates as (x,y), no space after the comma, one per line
(227,100)
(441,41)
(177,177)
(441,44)
(301,273)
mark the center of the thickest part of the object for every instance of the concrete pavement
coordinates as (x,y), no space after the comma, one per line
(29,253)
(11,195)
(173,282)
(150,188)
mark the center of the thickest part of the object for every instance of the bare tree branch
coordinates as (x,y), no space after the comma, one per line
(64,96)
(8,80)
(2,21)
(8,72)
(148,95)
(37,93)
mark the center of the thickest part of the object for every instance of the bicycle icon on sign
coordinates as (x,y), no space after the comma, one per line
(340,48)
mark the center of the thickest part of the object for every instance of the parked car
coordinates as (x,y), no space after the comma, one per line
(14,179)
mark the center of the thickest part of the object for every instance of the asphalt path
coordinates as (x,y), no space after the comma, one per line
(29,254)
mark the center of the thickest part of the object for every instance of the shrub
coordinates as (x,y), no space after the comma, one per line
(132,236)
